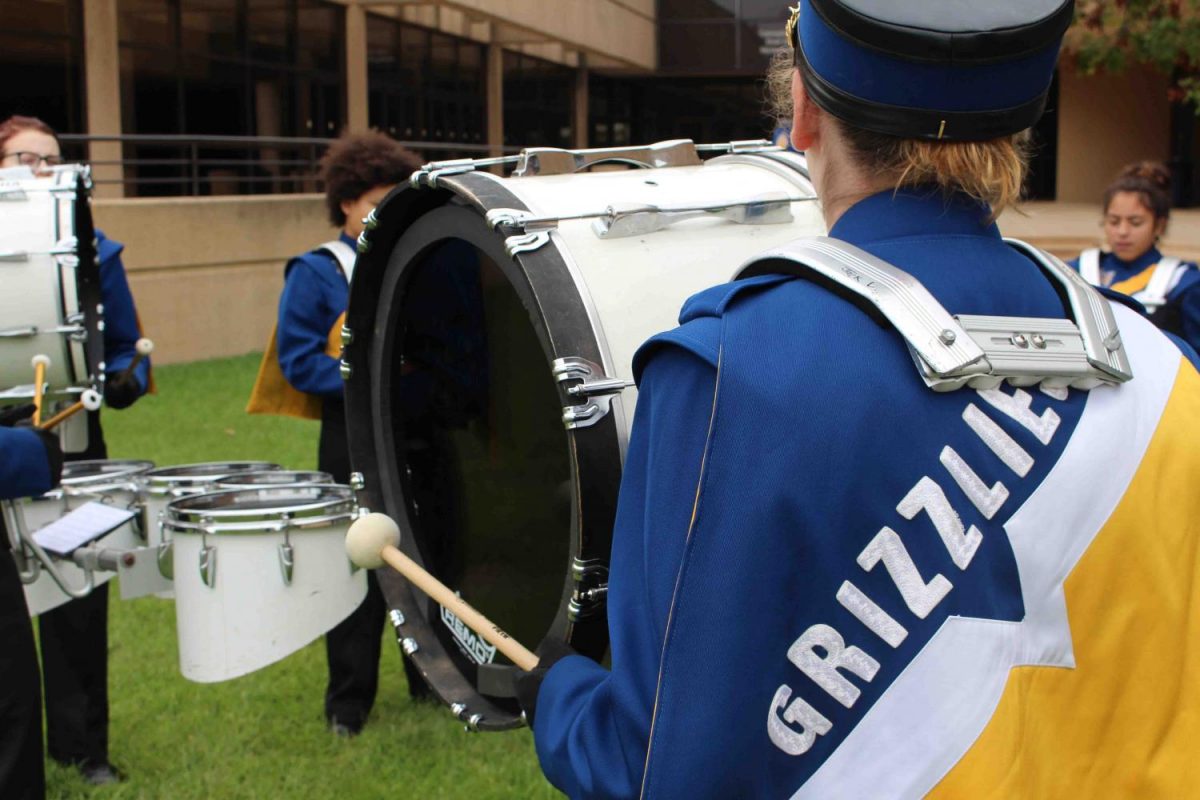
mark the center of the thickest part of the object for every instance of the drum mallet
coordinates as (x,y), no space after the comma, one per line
(375,539)
(89,400)
(40,364)
(143,348)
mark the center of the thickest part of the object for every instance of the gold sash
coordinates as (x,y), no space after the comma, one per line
(272,394)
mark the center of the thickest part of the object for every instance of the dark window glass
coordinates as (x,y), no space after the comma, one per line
(266,68)
(696,9)
(41,53)
(720,36)
(538,102)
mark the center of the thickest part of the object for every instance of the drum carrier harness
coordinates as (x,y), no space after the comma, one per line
(979,351)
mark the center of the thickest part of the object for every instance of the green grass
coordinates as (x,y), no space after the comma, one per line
(263,736)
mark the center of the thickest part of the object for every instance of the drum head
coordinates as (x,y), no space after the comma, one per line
(281,477)
(84,473)
(467,446)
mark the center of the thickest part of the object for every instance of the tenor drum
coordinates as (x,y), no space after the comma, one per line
(51,303)
(112,482)
(161,486)
(488,350)
(259,574)
(255,479)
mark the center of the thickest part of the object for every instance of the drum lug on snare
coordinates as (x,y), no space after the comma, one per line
(357,481)
(591,588)
(586,381)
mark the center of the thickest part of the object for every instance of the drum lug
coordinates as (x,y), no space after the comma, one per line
(166,559)
(363,245)
(347,336)
(357,481)
(208,566)
(586,381)
(397,618)
(287,562)
(346,369)
(409,645)
(473,723)
(591,588)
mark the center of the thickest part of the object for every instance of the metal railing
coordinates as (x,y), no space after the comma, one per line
(183,165)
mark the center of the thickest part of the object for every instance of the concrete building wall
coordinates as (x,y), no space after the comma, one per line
(206,273)
(1105,122)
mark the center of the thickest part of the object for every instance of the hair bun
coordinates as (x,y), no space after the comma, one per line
(1154,172)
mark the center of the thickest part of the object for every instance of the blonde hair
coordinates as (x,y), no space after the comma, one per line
(991,171)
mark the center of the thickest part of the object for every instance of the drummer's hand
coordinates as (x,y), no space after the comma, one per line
(549,653)
(121,390)
(54,454)
(13,414)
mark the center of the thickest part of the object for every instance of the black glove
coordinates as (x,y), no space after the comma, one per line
(121,390)
(13,414)
(54,455)
(549,653)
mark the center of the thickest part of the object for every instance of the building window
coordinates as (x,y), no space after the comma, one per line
(41,55)
(426,86)
(264,68)
(538,102)
(719,36)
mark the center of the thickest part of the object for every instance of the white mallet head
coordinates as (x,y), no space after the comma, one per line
(90,399)
(41,359)
(368,536)
(144,346)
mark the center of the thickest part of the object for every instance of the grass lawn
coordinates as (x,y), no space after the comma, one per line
(263,736)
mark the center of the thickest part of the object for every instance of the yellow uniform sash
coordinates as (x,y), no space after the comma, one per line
(272,394)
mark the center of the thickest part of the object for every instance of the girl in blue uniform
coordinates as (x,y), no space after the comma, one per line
(358,172)
(1137,207)
(74,636)
(813,588)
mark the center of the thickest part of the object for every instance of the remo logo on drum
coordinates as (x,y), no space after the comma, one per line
(472,646)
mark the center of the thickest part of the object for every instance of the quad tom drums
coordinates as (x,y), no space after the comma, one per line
(259,573)
(267,478)
(487,358)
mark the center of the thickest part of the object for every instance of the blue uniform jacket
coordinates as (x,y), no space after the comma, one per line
(120,316)
(24,470)
(315,294)
(777,430)
(1185,296)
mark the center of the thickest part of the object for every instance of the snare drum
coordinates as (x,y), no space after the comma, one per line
(112,482)
(267,478)
(485,315)
(51,303)
(259,574)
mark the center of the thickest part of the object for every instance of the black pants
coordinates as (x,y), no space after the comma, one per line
(22,768)
(353,647)
(74,639)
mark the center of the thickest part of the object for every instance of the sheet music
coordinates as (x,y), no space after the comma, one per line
(81,526)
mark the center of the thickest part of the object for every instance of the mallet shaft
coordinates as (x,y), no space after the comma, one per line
(39,387)
(60,417)
(460,608)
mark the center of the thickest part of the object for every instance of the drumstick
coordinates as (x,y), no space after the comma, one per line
(90,400)
(40,364)
(375,538)
(144,347)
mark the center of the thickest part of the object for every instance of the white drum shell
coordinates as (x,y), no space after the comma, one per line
(250,618)
(636,286)
(40,290)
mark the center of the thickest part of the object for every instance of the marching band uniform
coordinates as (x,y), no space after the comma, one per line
(74,636)
(307,341)
(29,465)
(1022,635)
(1168,288)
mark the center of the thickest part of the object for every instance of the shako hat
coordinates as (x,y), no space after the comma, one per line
(958,70)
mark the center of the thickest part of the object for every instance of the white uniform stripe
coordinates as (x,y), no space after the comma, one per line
(932,714)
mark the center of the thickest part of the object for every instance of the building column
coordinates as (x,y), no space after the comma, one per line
(580,125)
(495,99)
(357,96)
(102,80)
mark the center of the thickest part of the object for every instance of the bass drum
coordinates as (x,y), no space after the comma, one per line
(487,315)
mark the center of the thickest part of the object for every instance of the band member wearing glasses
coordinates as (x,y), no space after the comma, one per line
(851,559)
(74,636)
(30,464)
